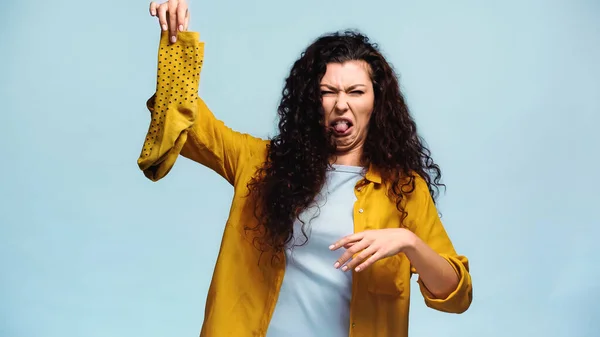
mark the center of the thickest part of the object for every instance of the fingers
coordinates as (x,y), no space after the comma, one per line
(365,248)
(173,16)
(153,8)
(181,15)
(349,253)
(346,240)
(187,20)
(173,20)
(162,16)
(368,258)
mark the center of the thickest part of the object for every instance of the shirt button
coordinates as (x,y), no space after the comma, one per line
(353,324)
(360,210)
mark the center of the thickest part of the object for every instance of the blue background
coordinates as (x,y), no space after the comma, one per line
(507,94)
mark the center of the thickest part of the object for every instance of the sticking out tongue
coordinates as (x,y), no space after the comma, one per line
(340,127)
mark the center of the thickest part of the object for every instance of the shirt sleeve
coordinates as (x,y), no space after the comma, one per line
(182,123)
(428,226)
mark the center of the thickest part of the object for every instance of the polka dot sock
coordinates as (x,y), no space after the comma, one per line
(173,106)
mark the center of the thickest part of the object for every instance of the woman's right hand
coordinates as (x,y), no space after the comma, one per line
(173,16)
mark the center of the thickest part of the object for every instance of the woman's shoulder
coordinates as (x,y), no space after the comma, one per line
(418,191)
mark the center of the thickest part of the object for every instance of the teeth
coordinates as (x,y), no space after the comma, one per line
(340,122)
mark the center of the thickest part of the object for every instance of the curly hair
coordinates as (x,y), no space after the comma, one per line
(298,157)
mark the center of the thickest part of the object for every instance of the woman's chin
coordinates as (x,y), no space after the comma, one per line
(346,145)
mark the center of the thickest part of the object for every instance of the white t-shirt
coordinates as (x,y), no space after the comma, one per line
(314,299)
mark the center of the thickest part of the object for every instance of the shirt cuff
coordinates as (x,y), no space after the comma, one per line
(460,299)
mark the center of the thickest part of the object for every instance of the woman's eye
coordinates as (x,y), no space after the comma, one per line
(357,92)
(326,92)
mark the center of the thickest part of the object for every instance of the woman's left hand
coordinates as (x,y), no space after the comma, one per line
(371,246)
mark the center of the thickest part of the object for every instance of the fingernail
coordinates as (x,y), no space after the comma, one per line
(153,12)
(181,28)
(331,247)
(344,268)
(164,27)
(357,269)
(173,39)
(337,264)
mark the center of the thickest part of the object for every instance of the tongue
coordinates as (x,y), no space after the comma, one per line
(341,127)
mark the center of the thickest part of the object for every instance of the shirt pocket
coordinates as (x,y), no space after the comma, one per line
(387,276)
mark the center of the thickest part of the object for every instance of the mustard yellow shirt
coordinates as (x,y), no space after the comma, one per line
(244,289)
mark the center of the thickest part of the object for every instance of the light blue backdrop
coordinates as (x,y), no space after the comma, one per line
(507,94)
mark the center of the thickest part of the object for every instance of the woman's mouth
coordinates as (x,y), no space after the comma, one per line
(341,127)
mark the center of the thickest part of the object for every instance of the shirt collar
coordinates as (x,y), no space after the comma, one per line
(373,175)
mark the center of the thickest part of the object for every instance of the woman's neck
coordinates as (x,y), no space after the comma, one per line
(350,158)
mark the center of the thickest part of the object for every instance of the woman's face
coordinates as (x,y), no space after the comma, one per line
(348,100)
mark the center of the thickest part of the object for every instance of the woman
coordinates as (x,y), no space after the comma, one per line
(331,217)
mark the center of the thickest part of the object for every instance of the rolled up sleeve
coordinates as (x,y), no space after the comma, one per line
(460,299)
(427,225)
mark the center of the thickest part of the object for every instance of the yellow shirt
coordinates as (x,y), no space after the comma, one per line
(244,289)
